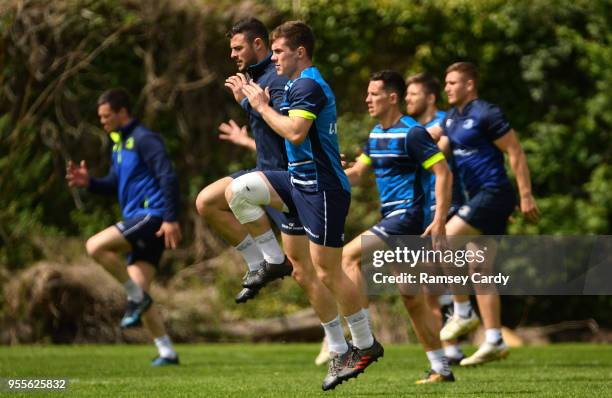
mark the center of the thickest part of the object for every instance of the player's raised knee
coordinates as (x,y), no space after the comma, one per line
(246,195)
(204,202)
(92,247)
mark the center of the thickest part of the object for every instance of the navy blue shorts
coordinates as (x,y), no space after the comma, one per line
(322,213)
(287,224)
(489,209)
(140,232)
(409,223)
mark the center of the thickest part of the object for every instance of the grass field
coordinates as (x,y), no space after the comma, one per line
(287,370)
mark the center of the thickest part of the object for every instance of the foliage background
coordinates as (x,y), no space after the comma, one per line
(548,65)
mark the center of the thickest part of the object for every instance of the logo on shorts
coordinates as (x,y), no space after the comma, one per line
(310,233)
(464,211)
(468,124)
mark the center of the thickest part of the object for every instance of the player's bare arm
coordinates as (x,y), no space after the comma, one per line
(357,171)
(509,144)
(294,129)
(436,132)
(444,182)
(444,145)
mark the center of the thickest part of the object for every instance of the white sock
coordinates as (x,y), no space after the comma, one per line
(134,292)
(463,309)
(493,336)
(359,326)
(366,311)
(453,351)
(249,250)
(335,336)
(164,346)
(438,362)
(270,248)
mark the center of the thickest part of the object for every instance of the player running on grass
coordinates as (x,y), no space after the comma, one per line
(422,94)
(479,136)
(401,154)
(142,176)
(314,188)
(264,256)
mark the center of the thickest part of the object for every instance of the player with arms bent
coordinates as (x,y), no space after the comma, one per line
(142,176)
(315,188)
(479,135)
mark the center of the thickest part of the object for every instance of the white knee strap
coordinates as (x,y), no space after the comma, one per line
(249,194)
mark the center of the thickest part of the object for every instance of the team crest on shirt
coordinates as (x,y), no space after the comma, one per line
(449,122)
(468,124)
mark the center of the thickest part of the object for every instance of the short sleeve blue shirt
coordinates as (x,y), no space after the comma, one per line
(471,134)
(399,156)
(457,194)
(315,163)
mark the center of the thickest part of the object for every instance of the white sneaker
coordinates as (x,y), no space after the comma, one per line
(458,326)
(323,356)
(487,353)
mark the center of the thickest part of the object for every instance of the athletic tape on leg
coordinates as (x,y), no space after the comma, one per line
(249,194)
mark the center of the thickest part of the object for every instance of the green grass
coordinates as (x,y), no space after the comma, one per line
(287,370)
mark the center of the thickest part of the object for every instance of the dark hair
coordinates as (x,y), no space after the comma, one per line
(117,98)
(252,28)
(393,82)
(429,82)
(297,34)
(467,69)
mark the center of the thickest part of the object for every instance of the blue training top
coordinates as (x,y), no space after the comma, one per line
(270,147)
(471,134)
(315,163)
(141,174)
(457,191)
(399,155)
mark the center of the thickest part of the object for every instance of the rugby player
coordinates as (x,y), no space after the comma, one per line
(401,154)
(251,51)
(142,176)
(479,136)
(314,188)
(422,95)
